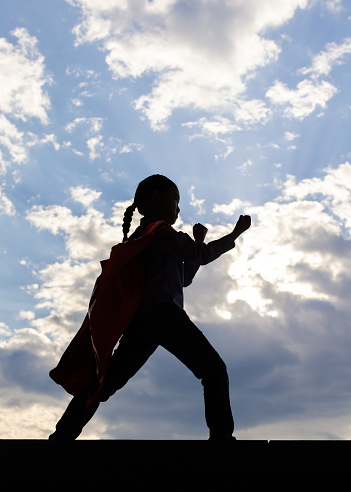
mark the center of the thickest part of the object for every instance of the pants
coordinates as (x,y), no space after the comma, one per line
(170,327)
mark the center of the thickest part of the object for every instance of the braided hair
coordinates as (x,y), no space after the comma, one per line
(143,197)
(127,220)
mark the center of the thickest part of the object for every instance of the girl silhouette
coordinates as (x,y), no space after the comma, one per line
(139,297)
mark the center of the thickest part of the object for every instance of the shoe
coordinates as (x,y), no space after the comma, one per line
(221,438)
(57,438)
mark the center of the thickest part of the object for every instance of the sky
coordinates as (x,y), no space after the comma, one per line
(246,105)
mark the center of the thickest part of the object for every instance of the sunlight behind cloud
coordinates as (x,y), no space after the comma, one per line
(190,70)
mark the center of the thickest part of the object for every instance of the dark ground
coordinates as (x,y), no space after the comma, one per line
(176,465)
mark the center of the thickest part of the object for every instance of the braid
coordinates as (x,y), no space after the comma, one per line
(127,219)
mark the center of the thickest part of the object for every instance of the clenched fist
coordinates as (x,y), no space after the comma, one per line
(199,232)
(241,226)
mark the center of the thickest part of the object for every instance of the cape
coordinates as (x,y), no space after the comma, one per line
(113,305)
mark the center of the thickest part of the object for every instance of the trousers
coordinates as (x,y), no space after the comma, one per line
(170,327)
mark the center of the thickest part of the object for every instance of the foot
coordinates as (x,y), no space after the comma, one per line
(222,438)
(57,438)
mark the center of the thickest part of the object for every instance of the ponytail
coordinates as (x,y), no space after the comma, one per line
(127,219)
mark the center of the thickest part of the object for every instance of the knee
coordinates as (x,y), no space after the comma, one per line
(111,387)
(216,369)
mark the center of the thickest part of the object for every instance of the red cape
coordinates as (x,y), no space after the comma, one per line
(113,305)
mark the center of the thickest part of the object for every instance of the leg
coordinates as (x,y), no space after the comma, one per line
(173,330)
(133,351)
(73,420)
(130,355)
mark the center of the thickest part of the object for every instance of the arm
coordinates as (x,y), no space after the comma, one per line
(182,247)
(190,269)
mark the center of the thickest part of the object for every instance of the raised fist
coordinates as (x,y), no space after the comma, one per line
(199,232)
(242,225)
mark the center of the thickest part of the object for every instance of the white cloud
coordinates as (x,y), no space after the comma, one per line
(95,146)
(131,147)
(13,141)
(334,191)
(302,101)
(290,136)
(199,54)
(95,142)
(4,330)
(324,62)
(334,6)
(6,206)
(77,102)
(17,143)
(234,206)
(70,127)
(244,168)
(30,419)
(94,124)
(292,242)
(218,129)
(26,315)
(84,195)
(252,112)
(314,92)
(22,78)
(86,235)
(196,202)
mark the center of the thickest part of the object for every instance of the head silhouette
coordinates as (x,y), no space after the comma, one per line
(156,197)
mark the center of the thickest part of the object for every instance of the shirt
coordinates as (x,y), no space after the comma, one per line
(171,262)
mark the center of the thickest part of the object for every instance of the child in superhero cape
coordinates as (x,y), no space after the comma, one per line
(139,297)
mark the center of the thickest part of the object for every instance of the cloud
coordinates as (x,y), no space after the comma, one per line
(23,98)
(290,136)
(252,112)
(302,101)
(84,195)
(96,144)
(198,54)
(86,235)
(17,144)
(310,93)
(13,141)
(218,129)
(128,148)
(196,202)
(94,138)
(23,78)
(231,208)
(333,192)
(245,166)
(4,329)
(290,247)
(334,6)
(324,62)
(6,206)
